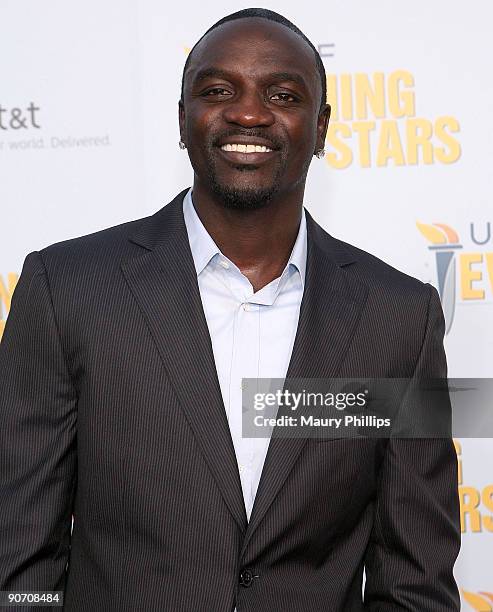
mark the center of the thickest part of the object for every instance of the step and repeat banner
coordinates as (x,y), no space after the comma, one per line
(89,138)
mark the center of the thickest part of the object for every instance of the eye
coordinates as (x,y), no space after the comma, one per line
(284,96)
(214,91)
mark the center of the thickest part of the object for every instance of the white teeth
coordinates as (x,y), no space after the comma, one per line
(242,148)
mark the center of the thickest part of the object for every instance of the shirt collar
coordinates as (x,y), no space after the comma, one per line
(298,254)
(204,248)
(202,245)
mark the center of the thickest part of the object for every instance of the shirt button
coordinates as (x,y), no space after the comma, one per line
(224,263)
(246,306)
(241,469)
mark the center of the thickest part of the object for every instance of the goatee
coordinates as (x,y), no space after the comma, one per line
(243,198)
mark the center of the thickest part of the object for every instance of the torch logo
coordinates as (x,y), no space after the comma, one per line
(444,242)
(482,601)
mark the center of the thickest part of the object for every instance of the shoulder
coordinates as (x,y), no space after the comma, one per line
(97,245)
(364,267)
(399,312)
(396,299)
(88,265)
(110,246)
(393,298)
(379,274)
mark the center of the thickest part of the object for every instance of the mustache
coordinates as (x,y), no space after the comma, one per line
(275,141)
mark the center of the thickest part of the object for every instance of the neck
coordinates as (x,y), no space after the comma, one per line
(258,241)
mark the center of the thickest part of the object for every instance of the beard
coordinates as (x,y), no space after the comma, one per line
(243,198)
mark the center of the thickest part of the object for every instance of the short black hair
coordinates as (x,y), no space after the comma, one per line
(271,16)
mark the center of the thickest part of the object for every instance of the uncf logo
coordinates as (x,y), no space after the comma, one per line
(462,276)
(444,243)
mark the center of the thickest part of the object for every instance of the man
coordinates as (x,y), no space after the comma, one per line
(121,368)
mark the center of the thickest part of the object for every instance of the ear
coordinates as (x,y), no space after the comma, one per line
(322,125)
(181,119)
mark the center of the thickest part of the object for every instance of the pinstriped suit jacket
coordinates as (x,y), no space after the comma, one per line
(111,410)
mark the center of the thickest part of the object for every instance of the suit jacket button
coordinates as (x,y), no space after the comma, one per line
(246,577)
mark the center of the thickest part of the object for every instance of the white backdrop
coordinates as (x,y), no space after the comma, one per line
(89,138)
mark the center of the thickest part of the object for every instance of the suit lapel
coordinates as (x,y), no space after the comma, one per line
(330,310)
(164,283)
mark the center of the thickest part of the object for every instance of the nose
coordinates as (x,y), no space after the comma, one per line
(249,110)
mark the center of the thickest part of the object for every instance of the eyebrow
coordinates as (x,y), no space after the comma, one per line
(212,72)
(289,76)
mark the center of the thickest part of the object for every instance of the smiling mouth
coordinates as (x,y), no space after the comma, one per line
(245,148)
(246,154)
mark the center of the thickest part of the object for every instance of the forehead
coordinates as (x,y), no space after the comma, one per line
(253,46)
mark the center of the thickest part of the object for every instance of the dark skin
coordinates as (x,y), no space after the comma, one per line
(239,87)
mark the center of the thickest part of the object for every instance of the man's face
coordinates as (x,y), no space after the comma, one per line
(252,83)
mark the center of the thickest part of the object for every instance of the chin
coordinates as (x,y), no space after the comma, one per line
(244,198)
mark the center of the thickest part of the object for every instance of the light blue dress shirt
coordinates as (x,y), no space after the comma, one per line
(252,333)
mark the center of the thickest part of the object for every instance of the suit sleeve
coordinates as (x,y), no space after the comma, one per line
(416,534)
(37,440)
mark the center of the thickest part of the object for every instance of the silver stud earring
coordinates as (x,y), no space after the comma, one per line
(182,145)
(320,153)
